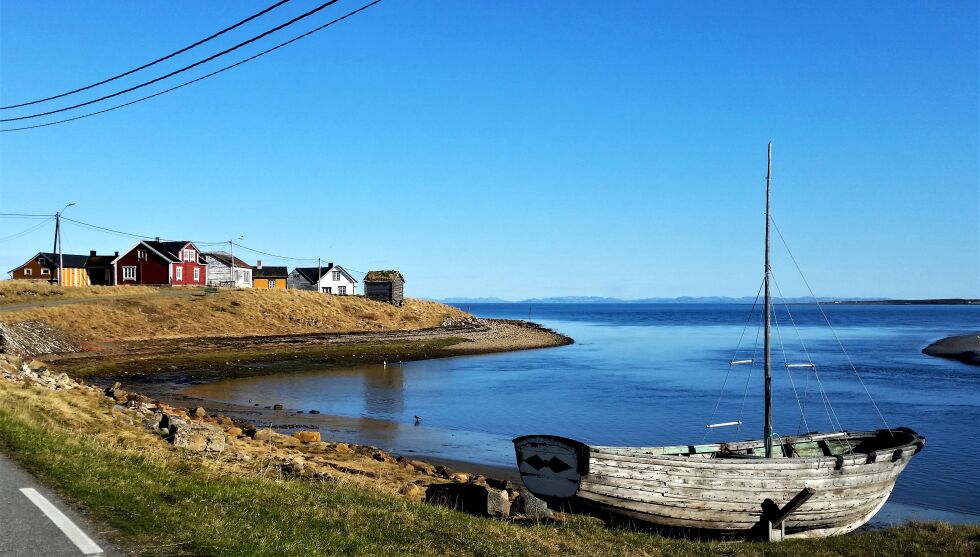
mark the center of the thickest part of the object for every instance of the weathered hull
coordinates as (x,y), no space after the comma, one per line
(715,489)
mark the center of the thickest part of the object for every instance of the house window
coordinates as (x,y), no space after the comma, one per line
(29,272)
(44,271)
(272,283)
(188,255)
(141,254)
(336,275)
(342,290)
(197,274)
(248,276)
(129,273)
(180,273)
(40,261)
(327,290)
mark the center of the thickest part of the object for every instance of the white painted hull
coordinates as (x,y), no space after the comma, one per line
(714,488)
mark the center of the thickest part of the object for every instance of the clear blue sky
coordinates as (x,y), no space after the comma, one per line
(521,149)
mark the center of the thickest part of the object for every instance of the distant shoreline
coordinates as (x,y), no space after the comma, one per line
(462,302)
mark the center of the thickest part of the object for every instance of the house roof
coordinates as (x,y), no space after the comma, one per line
(225,258)
(170,250)
(100,260)
(383,276)
(269,272)
(70,260)
(309,273)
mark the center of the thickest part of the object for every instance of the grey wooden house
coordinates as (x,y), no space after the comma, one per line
(385,286)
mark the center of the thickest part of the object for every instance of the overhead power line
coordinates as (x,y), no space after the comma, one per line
(275,255)
(198,242)
(175,72)
(24,215)
(185,84)
(27,230)
(157,61)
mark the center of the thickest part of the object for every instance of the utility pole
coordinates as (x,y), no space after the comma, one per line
(234,279)
(319,275)
(57,242)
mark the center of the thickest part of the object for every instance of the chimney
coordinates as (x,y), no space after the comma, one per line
(117,254)
(91,253)
(158,238)
(259,264)
(330,264)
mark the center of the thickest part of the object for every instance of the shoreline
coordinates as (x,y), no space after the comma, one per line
(213,358)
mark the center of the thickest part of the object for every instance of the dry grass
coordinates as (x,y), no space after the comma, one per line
(177,313)
(25,292)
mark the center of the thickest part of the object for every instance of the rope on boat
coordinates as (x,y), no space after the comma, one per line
(738,347)
(782,348)
(832,330)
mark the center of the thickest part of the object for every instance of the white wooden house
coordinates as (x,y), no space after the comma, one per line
(333,279)
(219,270)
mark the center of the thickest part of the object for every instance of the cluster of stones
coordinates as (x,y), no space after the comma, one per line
(301,454)
(463,323)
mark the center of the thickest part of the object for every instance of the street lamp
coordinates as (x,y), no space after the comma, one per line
(57,242)
(234,279)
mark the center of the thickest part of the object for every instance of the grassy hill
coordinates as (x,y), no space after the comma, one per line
(137,313)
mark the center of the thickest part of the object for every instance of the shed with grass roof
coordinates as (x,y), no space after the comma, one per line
(385,286)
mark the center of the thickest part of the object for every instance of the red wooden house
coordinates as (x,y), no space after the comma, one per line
(160,263)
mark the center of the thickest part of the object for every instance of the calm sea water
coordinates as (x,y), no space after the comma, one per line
(656,374)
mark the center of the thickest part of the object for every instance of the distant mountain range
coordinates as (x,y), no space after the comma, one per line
(678,300)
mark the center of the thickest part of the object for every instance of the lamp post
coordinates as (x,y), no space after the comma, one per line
(231,244)
(57,242)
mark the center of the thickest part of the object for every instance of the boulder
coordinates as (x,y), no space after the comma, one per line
(197,437)
(263,434)
(342,448)
(460,477)
(474,499)
(277,406)
(307,436)
(199,413)
(532,507)
(234,431)
(499,484)
(413,492)
(424,467)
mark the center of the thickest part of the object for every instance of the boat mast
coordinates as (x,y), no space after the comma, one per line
(768,308)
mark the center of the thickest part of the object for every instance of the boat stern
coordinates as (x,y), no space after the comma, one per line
(551,467)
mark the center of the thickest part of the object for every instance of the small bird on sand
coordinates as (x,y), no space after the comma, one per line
(418,420)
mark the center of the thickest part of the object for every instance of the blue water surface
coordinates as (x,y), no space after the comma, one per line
(655,374)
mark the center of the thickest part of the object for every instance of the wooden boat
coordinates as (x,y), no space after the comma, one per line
(805,486)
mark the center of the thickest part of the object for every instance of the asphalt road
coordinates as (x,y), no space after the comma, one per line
(36,522)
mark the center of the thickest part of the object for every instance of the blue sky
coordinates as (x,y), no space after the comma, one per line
(521,149)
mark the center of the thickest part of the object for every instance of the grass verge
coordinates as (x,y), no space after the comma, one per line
(161,501)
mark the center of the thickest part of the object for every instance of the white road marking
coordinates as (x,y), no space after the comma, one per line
(67,527)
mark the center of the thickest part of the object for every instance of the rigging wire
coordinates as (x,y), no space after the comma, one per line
(831,415)
(831,327)
(157,61)
(738,346)
(782,348)
(181,70)
(186,83)
(28,230)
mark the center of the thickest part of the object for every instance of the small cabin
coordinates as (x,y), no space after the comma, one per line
(385,286)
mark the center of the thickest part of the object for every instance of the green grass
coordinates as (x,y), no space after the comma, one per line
(162,502)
